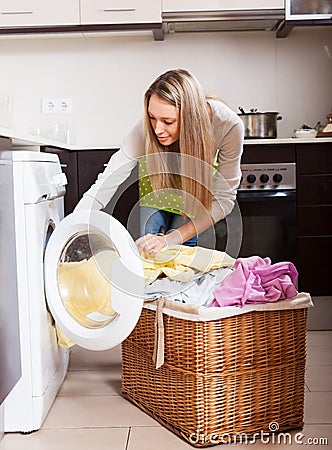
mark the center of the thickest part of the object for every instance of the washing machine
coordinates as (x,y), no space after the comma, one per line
(39,187)
(81,274)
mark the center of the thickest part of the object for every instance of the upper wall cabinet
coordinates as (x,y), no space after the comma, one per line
(33,13)
(120,11)
(221,5)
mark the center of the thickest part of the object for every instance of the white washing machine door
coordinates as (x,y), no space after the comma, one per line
(94,279)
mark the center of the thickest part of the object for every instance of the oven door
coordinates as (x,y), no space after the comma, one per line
(269,224)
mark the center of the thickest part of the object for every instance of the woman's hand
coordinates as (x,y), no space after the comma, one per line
(150,244)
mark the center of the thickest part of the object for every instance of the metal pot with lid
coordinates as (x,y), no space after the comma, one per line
(259,125)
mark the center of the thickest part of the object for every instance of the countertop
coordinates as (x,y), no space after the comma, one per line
(23,140)
(288,140)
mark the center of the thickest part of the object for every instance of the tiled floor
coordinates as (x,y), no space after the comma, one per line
(90,414)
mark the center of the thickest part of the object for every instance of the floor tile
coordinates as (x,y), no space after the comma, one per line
(310,435)
(91,382)
(319,434)
(318,408)
(319,355)
(89,412)
(152,438)
(82,359)
(319,378)
(74,439)
(319,338)
(95,411)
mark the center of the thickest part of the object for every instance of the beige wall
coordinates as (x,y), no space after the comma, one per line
(106,76)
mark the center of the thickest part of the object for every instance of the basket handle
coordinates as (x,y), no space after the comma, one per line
(159,347)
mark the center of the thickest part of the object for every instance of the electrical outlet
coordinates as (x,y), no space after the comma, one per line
(57,105)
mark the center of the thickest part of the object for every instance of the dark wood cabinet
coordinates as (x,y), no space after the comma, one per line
(5,143)
(82,168)
(314,158)
(268,153)
(90,163)
(124,204)
(314,212)
(313,264)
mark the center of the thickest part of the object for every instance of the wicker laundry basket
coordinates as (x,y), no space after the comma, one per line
(220,378)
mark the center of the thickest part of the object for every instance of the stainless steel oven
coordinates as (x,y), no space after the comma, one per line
(263,222)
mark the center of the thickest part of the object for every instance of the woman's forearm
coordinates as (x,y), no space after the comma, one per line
(189,229)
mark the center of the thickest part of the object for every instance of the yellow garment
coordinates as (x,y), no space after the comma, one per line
(62,339)
(179,262)
(85,290)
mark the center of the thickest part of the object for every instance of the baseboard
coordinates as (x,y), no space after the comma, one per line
(320,316)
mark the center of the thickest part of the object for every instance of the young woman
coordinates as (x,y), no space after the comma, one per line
(189,147)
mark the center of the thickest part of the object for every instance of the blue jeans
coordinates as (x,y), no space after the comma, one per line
(155,221)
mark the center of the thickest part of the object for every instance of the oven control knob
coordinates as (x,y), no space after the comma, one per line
(251,178)
(264,178)
(277,178)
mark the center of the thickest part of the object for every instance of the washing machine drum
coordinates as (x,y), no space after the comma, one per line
(94,280)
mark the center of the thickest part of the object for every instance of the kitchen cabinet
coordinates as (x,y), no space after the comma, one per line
(268,153)
(5,143)
(314,212)
(222,5)
(82,168)
(124,204)
(19,16)
(118,11)
(20,13)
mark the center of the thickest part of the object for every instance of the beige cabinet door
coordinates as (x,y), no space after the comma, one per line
(30,13)
(220,5)
(120,11)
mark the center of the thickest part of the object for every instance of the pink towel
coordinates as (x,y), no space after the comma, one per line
(255,280)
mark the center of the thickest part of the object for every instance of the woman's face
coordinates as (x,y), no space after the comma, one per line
(164,119)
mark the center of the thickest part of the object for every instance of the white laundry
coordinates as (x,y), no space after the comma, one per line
(198,291)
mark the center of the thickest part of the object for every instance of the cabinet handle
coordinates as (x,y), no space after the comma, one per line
(16,12)
(64,165)
(119,9)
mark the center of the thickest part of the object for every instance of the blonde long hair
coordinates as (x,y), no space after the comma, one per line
(195,146)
